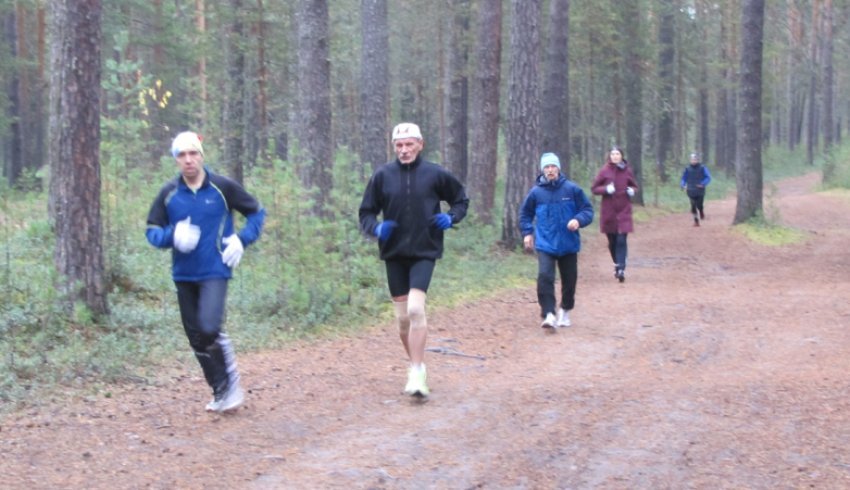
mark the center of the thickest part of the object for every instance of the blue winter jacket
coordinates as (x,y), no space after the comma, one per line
(211,208)
(552,205)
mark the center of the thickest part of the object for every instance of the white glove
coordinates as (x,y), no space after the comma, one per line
(186,235)
(630,191)
(233,253)
(610,188)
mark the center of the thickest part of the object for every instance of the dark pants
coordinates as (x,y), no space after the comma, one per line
(696,205)
(568,267)
(202,312)
(618,248)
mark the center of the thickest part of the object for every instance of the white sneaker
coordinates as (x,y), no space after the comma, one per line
(232,399)
(417,384)
(549,321)
(563,318)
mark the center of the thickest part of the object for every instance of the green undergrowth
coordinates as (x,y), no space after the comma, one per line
(770,234)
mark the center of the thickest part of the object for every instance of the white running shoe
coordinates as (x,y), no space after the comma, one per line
(549,321)
(230,400)
(417,382)
(563,318)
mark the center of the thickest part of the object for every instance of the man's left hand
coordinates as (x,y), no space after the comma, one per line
(442,221)
(233,253)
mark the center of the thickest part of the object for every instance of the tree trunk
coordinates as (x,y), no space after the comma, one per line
(456,102)
(748,174)
(201,26)
(828,122)
(812,119)
(555,104)
(704,140)
(315,139)
(374,85)
(262,82)
(74,147)
(233,112)
(633,85)
(523,133)
(666,38)
(13,147)
(484,116)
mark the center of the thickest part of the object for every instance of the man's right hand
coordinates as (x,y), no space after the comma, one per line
(385,229)
(186,235)
(528,242)
(610,188)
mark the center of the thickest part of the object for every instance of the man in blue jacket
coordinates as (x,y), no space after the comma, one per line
(192,216)
(694,180)
(407,193)
(550,218)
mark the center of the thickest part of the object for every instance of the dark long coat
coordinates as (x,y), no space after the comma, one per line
(616,211)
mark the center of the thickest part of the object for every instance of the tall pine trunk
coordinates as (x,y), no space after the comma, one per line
(748,175)
(484,114)
(456,140)
(523,133)
(74,146)
(374,85)
(313,123)
(633,85)
(666,38)
(555,103)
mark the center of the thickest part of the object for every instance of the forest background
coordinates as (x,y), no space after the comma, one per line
(296,100)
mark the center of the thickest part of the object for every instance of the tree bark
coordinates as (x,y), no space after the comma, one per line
(633,84)
(828,77)
(748,174)
(484,116)
(315,139)
(374,85)
(666,38)
(74,147)
(523,133)
(233,113)
(456,102)
(555,104)
(13,147)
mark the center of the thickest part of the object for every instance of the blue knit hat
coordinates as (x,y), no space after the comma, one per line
(549,159)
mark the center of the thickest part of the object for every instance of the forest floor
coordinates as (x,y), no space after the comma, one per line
(719,363)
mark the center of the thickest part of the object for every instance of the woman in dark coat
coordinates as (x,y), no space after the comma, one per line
(616,183)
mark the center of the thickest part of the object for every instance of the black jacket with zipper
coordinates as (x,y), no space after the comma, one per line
(410,195)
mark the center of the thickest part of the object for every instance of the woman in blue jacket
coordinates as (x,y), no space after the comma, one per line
(550,218)
(192,216)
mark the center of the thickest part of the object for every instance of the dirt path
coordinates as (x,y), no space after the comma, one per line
(717,364)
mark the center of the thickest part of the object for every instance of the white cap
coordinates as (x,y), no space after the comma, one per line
(406,130)
(184,141)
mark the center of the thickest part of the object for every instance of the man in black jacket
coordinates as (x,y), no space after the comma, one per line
(407,193)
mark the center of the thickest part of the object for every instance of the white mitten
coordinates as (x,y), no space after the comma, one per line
(610,188)
(186,235)
(630,191)
(233,253)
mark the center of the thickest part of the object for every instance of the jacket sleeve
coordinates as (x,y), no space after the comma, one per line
(684,180)
(453,193)
(159,232)
(370,206)
(632,180)
(526,214)
(598,185)
(247,205)
(584,208)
